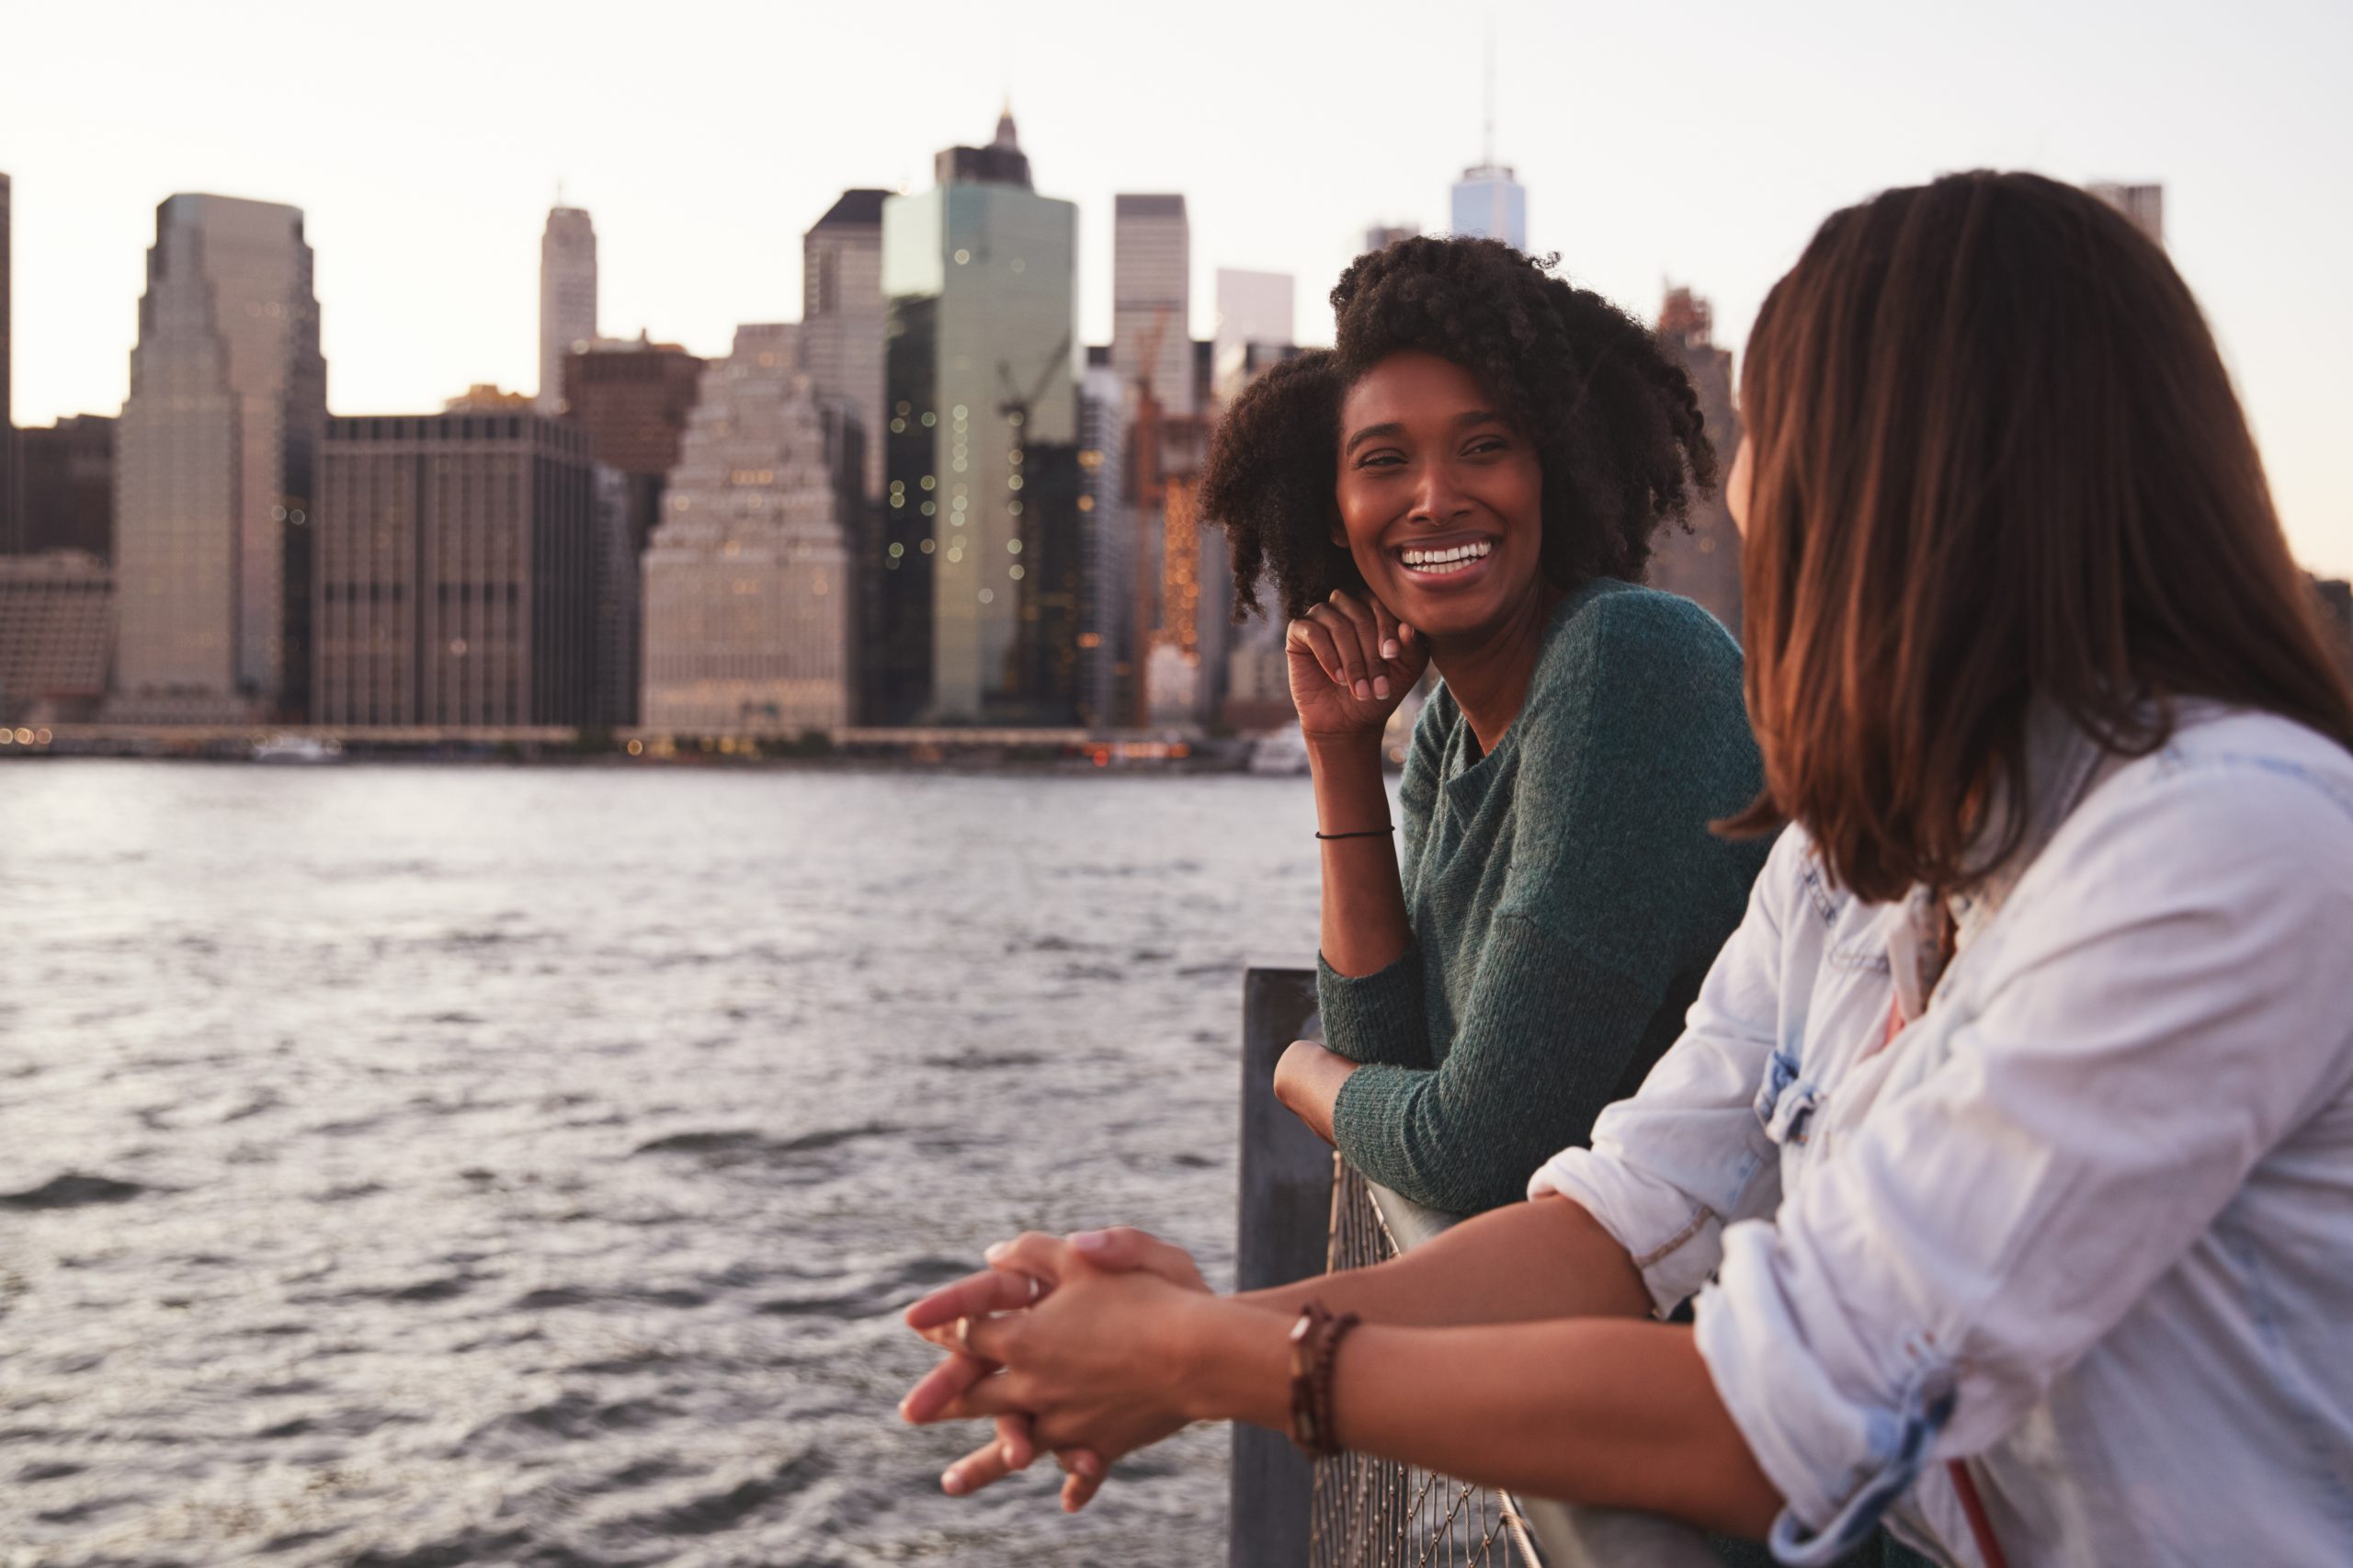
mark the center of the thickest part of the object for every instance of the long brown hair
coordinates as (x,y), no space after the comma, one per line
(1995,455)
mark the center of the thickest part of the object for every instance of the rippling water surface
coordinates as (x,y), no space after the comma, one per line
(423,1166)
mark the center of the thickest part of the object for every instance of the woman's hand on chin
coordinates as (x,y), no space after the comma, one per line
(1084,1440)
(1352,664)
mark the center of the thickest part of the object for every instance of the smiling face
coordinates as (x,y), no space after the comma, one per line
(1441,498)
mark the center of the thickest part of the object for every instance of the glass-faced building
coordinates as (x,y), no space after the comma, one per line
(1490,204)
(978,277)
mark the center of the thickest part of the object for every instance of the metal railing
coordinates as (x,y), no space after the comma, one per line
(1305,1212)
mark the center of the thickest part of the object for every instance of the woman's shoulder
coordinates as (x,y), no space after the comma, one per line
(1624,658)
(1610,626)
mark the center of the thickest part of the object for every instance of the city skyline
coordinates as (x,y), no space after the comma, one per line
(427,273)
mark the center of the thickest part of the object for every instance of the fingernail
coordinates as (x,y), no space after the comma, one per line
(1088,1466)
(1389,649)
(1380,686)
(951,1483)
(1364,691)
(1090,1241)
(1404,630)
(995,1251)
(1006,1452)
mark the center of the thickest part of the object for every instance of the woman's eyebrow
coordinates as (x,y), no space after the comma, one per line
(1369,432)
(1478,416)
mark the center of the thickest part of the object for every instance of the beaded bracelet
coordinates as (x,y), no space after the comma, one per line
(1314,1346)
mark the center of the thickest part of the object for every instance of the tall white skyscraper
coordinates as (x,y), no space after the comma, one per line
(567,297)
(1152,262)
(1491,204)
(217,457)
(842,316)
(748,583)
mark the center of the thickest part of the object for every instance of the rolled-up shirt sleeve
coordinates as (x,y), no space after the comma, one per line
(1671,1166)
(2123,1056)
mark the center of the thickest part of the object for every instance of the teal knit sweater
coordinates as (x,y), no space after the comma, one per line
(1566,896)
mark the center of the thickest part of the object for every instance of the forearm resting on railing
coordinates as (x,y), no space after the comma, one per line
(1591,1411)
(1364,929)
(1526,1262)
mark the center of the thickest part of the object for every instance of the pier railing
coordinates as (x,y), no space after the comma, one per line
(1305,1211)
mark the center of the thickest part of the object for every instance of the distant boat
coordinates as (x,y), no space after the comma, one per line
(1281,752)
(296,748)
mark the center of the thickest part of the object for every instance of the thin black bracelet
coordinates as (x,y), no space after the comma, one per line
(1361,832)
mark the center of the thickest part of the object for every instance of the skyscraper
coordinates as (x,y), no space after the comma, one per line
(748,590)
(1109,662)
(456,583)
(217,460)
(1491,204)
(2144,204)
(1152,263)
(978,276)
(631,395)
(1381,236)
(841,315)
(567,297)
(1702,562)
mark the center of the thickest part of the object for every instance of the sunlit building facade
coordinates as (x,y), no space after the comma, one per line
(748,580)
(978,276)
(567,297)
(217,460)
(1254,311)
(456,578)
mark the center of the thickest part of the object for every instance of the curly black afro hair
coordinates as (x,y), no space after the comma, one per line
(1615,423)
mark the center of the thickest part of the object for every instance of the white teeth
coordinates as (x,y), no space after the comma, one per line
(1453,558)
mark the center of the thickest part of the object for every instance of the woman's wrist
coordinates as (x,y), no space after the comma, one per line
(1229,1360)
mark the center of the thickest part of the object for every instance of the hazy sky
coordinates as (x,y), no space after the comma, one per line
(1700,142)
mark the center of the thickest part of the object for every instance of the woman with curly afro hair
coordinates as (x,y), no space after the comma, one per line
(1471,479)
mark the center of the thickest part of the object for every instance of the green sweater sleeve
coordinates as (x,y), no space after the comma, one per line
(1617,893)
(1383,1016)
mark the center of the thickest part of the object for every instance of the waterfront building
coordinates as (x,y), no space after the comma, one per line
(2144,204)
(1702,562)
(217,460)
(65,485)
(567,297)
(632,396)
(1152,263)
(1381,236)
(1490,203)
(456,577)
(1111,668)
(978,277)
(56,635)
(617,656)
(748,580)
(842,317)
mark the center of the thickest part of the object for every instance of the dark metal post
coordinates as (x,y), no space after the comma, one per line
(1284,1232)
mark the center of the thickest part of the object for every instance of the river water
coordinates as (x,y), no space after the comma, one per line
(425,1165)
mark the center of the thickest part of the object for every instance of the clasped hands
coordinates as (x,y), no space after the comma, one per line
(1072,1346)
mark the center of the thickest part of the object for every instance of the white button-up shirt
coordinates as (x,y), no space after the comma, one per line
(2087,1221)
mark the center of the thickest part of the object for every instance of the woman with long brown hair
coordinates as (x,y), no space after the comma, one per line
(2009,1152)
